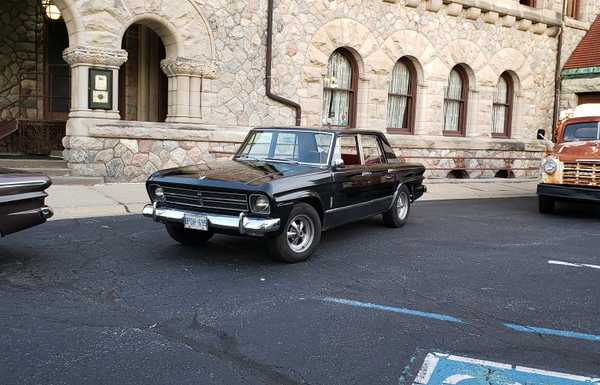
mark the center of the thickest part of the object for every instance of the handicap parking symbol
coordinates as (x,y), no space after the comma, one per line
(445,369)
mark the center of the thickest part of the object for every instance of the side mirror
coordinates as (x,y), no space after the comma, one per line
(541,134)
(338,164)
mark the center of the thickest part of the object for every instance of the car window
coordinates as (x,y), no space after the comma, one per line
(346,149)
(371,150)
(287,146)
(581,131)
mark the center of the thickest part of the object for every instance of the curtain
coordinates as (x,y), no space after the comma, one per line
(397,111)
(500,106)
(337,91)
(452,102)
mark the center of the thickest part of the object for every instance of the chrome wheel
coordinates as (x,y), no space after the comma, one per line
(300,233)
(402,205)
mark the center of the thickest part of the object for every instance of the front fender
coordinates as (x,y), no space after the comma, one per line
(286,201)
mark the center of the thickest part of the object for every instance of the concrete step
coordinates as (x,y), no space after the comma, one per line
(77,180)
(32,163)
(50,171)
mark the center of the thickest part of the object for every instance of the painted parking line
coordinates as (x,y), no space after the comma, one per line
(552,332)
(445,369)
(572,264)
(448,318)
(392,309)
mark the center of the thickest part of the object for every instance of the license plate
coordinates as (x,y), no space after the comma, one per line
(195,222)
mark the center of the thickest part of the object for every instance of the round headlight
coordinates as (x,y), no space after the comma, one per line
(159,194)
(550,166)
(259,204)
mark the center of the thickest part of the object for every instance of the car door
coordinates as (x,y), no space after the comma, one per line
(350,182)
(381,179)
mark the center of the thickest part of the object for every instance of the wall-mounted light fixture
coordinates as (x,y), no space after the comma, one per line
(51,11)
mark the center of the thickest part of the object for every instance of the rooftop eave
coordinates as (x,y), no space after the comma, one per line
(585,72)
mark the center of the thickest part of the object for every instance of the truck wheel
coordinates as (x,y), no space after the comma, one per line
(398,214)
(546,205)
(187,237)
(300,236)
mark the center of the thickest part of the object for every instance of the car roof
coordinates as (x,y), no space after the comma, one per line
(323,129)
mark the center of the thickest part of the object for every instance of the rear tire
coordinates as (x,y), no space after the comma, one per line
(546,205)
(299,237)
(398,214)
(187,237)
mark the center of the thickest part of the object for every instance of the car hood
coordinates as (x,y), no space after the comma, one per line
(573,151)
(248,172)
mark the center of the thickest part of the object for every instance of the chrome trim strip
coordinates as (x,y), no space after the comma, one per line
(360,204)
(31,183)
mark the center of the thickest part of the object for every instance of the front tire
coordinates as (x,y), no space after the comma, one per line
(187,237)
(300,236)
(398,214)
(546,205)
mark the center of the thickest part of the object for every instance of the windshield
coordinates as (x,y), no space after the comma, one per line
(287,146)
(581,131)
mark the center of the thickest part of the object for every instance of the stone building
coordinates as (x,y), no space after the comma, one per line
(126,87)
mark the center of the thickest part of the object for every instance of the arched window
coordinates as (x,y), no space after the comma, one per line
(455,102)
(339,90)
(502,110)
(402,96)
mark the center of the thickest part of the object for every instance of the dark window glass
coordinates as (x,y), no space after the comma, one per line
(581,131)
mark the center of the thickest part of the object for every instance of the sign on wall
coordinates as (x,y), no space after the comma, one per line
(100,89)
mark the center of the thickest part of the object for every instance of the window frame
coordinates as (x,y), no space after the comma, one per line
(411,99)
(352,105)
(463,103)
(509,108)
(573,9)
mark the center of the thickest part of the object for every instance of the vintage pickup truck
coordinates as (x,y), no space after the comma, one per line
(571,166)
(287,185)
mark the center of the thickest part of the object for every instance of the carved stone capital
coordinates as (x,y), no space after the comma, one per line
(188,66)
(95,56)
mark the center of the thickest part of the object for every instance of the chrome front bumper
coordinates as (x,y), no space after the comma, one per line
(242,223)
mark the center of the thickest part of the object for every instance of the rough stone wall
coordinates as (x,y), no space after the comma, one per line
(437,35)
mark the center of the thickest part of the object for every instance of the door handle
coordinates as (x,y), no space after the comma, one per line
(388,177)
(367,173)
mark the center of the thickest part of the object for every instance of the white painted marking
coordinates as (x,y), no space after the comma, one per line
(479,362)
(455,379)
(427,369)
(557,374)
(571,264)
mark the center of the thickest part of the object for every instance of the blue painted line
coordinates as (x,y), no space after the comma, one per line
(553,332)
(399,310)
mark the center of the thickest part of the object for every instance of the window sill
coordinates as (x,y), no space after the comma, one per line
(457,134)
(500,136)
(401,131)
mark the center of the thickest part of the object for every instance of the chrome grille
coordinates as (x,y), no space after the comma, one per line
(582,173)
(217,200)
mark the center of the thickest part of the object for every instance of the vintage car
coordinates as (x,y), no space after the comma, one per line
(288,185)
(571,166)
(22,197)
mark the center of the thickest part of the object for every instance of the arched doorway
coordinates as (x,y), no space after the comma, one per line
(143,86)
(35,81)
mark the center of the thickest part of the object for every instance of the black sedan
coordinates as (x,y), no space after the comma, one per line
(288,185)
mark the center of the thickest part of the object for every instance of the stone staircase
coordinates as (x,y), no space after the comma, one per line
(55,168)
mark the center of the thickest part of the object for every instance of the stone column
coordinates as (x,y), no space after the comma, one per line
(187,77)
(81,59)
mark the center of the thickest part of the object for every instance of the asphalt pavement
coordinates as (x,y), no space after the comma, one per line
(114,300)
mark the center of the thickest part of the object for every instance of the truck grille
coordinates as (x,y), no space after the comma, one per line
(582,173)
(217,200)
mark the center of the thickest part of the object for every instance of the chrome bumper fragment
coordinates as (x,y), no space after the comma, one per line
(242,223)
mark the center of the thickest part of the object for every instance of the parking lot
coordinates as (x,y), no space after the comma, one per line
(115,300)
